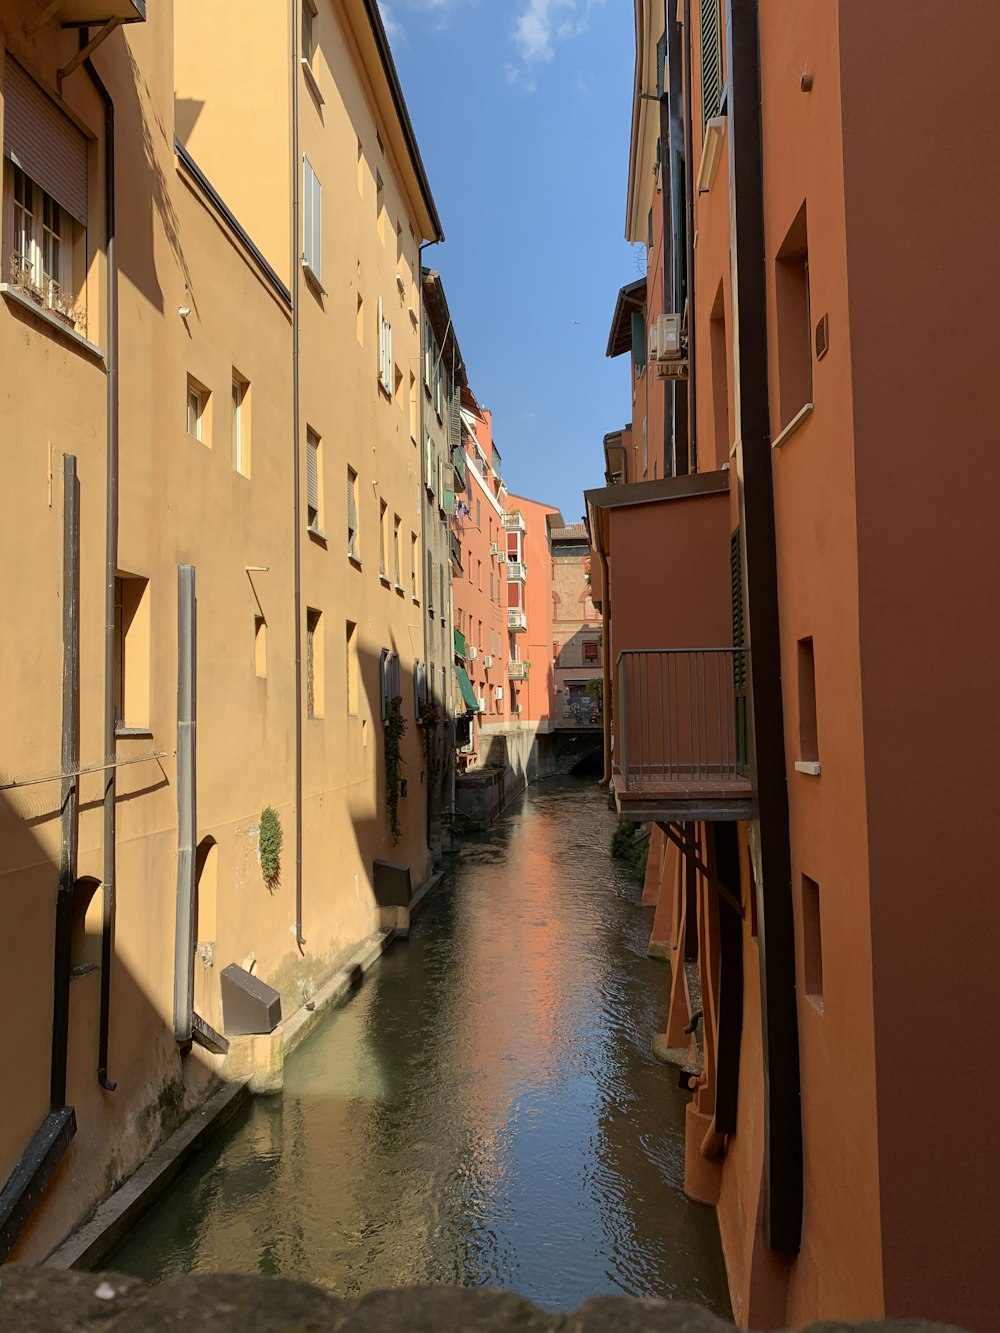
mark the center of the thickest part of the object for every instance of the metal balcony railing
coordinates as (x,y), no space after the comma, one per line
(682,718)
(514,521)
(517,571)
(517,670)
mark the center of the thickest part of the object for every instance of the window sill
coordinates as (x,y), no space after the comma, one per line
(802,415)
(808,766)
(385,389)
(384,581)
(311,80)
(313,279)
(129,733)
(400,589)
(355,561)
(53,321)
(416,601)
(318,535)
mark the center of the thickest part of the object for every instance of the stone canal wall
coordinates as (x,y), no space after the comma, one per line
(35,1300)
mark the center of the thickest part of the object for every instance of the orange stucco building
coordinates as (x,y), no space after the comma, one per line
(820,647)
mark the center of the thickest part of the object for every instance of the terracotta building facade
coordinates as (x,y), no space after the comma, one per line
(822,939)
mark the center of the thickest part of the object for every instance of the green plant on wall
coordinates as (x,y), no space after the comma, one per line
(630,843)
(395,729)
(269,841)
(595,691)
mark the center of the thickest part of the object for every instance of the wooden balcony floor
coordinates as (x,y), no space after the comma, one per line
(678,796)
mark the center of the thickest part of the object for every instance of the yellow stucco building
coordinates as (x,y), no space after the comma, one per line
(211,515)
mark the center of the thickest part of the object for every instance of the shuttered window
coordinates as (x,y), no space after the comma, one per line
(661,66)
(638,342)
(711,59)
(312,221)
(390,679)
(384,350)
(429,585)
(312,480)
(352,513)
(44,142)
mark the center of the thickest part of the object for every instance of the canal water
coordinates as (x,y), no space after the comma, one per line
(484,1111)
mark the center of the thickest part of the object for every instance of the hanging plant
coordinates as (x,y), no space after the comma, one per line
(428,713)
(269,841)
(395,729)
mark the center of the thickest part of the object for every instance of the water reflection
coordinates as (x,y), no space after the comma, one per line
(484,1111)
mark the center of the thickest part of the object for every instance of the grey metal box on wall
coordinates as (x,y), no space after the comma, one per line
(249,1005)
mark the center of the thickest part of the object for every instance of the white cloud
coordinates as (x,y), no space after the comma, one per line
(541,24)
(394,30)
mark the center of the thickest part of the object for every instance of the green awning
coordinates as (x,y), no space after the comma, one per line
(460,644)
(465,686)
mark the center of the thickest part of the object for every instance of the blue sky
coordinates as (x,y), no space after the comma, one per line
(522,111)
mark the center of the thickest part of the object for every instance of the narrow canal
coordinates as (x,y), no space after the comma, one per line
(485,1110)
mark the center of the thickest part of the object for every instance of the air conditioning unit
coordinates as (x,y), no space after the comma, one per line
(487,661)
(472,652)
(482,705)
(400,284)
(499,694)
(515,708)
(494,549)
(668,341)
(501,557)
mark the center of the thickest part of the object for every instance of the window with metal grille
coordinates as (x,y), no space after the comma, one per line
(352,513)
(390,680)
(711,59)
(312,480)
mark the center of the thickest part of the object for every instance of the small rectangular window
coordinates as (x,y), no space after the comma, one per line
(241,425)
(197,410)
(791,293)
(313,481)
(413,565)
(590,652)
(352,514)
(808,739)
(132,653)
(385,364)
(382,536)
(352,667)
(397,555)
(812,943)
(260,646)
(314,663)
(312,223)
(310,23)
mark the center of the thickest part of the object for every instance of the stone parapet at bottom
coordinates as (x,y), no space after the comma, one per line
(40,1300)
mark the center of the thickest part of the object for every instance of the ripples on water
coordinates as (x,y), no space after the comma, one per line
(484,1111)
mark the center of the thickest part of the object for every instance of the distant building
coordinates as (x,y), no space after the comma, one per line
(577,640)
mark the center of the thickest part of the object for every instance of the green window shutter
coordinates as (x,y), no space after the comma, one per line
(661,65)
(649,227)
(638,341)
(711,59)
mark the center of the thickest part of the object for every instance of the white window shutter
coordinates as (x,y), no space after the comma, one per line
(307,213)
(381,342)
(388,356)
(317,228)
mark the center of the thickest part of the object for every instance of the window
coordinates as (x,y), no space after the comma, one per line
(380,206)
(197,411)
(241,425)
(479,515)
(132,653)
(352,514)
(314,663)
(591,651)
(791,292)
(719,346)
(313,481)
(389,670)
(414,408)
(429,585)
(491,585)
(44,199)
(438,388)
(808,740)
(444,605)
(479,563)
(310,24)
(382,536)
(260,646)
(812,943)
(352,668)
(555,654)
(385,367)
(312,223)
(711,60)
(413,565)
(397,563)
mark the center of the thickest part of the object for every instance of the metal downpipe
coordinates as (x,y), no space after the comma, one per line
(294,285)
(187,802)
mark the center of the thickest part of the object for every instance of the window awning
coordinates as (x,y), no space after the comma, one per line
(465,686)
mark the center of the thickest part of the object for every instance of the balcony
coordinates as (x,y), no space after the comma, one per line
(680,746)
(516,571)
(517,670)
(514,521)
(517,621)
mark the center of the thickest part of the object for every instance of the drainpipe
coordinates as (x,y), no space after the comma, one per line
(70,794)
(779,1016)
(110,574)
(296,448)
(187,802)
(689,455)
